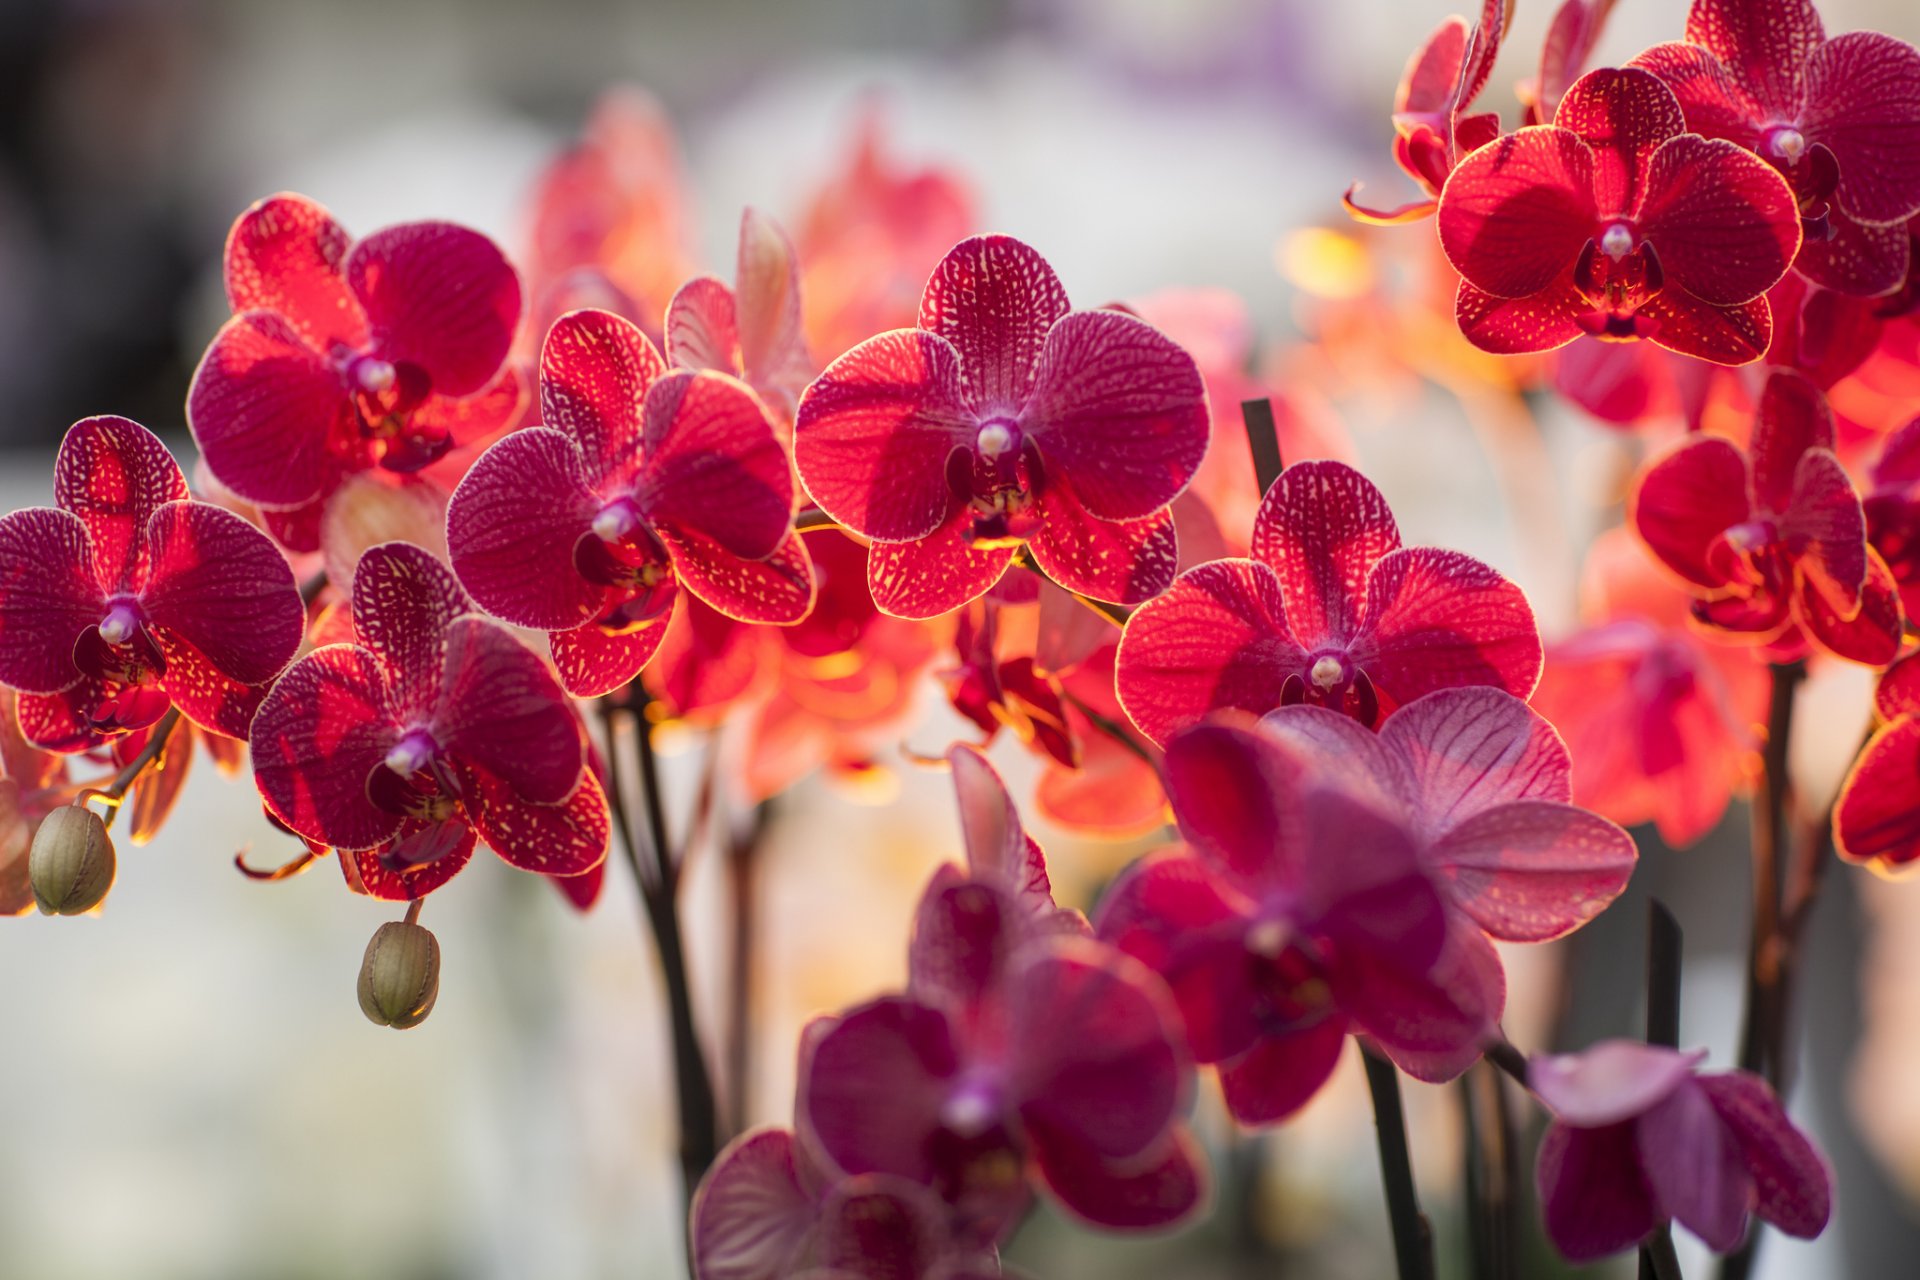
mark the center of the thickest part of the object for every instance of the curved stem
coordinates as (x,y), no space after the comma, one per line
(116,791)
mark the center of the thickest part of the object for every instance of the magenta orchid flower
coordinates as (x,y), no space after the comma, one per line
(1615,221)
(1296,912)
(1485,785)
(437,725)
(1024,1053)
(1773,542)
(342,357)
(638,482)
(1839,118)
(751,330)
(1876,821)
(767,1212)
(1330,610)
(1641,1137)
(127,597)
(1005,420)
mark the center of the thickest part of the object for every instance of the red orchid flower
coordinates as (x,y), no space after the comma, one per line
(1022,1050)
(1662,720)
(1876,821)
(436,726)
(1772,542)
(767,1212)
(1330,610)
(1892,509)
(1005,420)
(32,784)
(1839,118)
(1616,222)
(1432,129)
(1014,693)
(751,330)
(637,481)
(1297,912)
(128,597)
(1486,786)
(342,357)
(1576,28)
(1641,1137)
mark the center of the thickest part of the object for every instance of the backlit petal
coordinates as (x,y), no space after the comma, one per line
(438,296)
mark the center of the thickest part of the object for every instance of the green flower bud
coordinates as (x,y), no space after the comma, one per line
(71,864)
(400,978)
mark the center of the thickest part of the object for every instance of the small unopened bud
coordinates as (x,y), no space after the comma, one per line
(72,863)
(400,977)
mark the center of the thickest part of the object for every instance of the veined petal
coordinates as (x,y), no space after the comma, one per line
(1765,46)
(564,839)
(1436,618)
(713,467)
(1321,528)
(1534,870)
(502,712)
(1863,103)
(1793,418)
(221,585)
(317,738)
(114,474)
(512,527)
(1517,212)
(1622,114)
(404,602)
(1126,562)
(1433,72)
(263,407)
(994,299)
(595,371)
(1236,793)
(1119,413)
(1694,1167)
(1469,749)
(1861,260)
(1793,1184)
(592,661)
(1686,500)
(751,1216)
(1611,1081)
(1543,321)
(778,589)
(1685,325)
(1217,638)
(48,597)
(1593,1196)
(873,434)
(773,345)
(438,296)
(1723,221)
(1877,820)
(1361,761)
(936,574)
(1872,635)
(1713,101)
(701,332)
(285,254)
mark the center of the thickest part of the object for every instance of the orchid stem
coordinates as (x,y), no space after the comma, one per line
(659,884)
(743,866)
(1412,1236)
(1758,1031)
(1657,1259)
(116,791)
(1263,440)
(1117,614)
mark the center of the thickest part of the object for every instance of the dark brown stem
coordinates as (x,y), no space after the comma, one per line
(310,589)
(1758,1032)
(743,876)
(1657,1260)
(1510,1060)
(1117,614)
(1113,729)
(813,518)
(1263,439)
(1412,1237)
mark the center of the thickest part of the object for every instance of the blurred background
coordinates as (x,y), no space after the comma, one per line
(190,1088)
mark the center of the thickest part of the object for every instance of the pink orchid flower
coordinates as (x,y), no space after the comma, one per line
(751,330)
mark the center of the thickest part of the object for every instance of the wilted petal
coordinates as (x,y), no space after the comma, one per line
(564,839)
(316,739)
(994,299)
(1517,212)
(1535,869)
(114,474)
(263,406)
(1863,103)
(48,597)
(1592,1194)
(1794,1185)
(502,711)
(1686,500)
(934,575)
(1322,528)
(1127,562)
(1281,1074)
(1119,411)
(1694,1168)
(285,254)
(1127,1197)
(438,296)
(221,585)
(592,661)
(1217,638)
(1622,114)
(873,434)
(751,1216)
(1725,224)
(1435,619)
(713,467)
(512,527)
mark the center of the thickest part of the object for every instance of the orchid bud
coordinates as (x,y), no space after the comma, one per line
(72,862)
(400,977)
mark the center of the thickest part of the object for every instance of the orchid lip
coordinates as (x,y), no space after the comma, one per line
(121,623)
